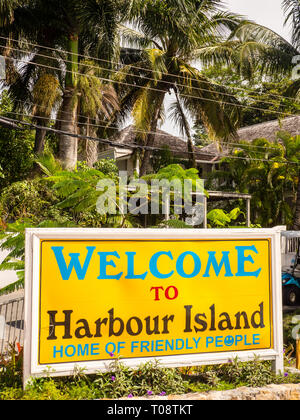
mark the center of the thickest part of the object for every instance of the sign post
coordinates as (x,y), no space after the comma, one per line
(183,297)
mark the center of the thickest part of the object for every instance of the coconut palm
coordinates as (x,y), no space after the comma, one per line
(7,10)
(97,101)
(275,56)
(89,27)
(39,92)
(171,37)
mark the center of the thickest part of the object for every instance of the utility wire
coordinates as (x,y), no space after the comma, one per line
(285,114)
(137,146)
(132,66)
(196,88)
(164,134)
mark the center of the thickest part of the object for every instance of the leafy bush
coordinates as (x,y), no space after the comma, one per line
(16,155)
(148,379)
(256,373)
(119,381)
(30,199)
(253,374)
(14,242)
(107,167)
(220,218)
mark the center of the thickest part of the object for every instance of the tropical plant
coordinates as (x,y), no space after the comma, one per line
(13,240)
(275,56)
(170,36)
(264,99)
(219,218)
(96,102)
(16,156)
(266,170)
(55,34)
(107,166)
(7,15)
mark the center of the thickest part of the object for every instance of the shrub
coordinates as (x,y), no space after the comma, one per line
(148,379)
(31,199)
(16,155)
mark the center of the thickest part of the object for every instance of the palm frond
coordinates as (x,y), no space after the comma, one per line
(291,9)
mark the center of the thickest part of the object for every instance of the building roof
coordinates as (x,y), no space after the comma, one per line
(269,129)
(177,146)
(212,152)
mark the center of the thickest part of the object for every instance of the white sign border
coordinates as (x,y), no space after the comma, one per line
(32,264)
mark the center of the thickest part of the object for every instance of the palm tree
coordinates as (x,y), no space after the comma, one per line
(7,10)
(89,27)
(170,37)
(276,56)
(97,102)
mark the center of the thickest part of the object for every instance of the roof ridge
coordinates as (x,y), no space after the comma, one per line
(268,122)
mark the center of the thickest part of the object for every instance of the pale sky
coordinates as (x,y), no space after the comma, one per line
(265,12)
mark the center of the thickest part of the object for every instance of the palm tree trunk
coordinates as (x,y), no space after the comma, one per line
(91,146)
(297,211)
(145,164)
(10,71)
(190,145)
(192,159)
(39,144)
(68,144)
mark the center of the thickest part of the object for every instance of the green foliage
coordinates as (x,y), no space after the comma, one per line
(48,164)
(13,240)
(288,327)
(253,374)
(16,155)
(77,189)
(219,218)
(266,170)
(174,224)
(176,171)
(117,382)
(235,374)
(149,379)
(30,199)
(263,98)
(107,167)
(162,158)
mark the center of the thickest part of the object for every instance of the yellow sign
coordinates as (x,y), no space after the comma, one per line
(101,299)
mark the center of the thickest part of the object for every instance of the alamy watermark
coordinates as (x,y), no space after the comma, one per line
(135,196)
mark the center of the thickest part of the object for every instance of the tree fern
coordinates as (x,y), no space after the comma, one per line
(13,240)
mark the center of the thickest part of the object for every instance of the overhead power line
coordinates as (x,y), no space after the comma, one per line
(131,65)
(136,146)
(194,88)
(158,134)
(283,114)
